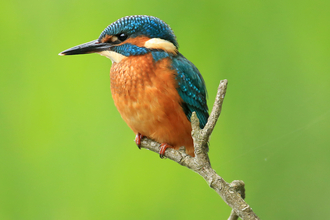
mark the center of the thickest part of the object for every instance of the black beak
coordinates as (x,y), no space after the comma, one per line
(90,47)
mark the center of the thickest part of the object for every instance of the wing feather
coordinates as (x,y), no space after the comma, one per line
(191,88)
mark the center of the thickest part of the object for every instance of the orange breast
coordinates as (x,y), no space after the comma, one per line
(145,95)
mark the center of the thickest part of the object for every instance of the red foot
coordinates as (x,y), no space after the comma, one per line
(163,148)
(137,140)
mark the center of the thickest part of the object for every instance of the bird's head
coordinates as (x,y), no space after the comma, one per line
(129,36)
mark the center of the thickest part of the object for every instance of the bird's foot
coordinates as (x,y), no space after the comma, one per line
(137,140)
(163,148)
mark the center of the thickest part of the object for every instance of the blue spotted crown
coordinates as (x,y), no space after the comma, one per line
(138,25)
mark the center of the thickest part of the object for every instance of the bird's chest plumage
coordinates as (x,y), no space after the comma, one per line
(142,89)
(130,77)
(145,94)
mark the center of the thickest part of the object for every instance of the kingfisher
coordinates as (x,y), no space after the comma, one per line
(154,87)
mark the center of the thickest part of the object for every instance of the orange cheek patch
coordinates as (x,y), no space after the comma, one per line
(106,38)
(138,41)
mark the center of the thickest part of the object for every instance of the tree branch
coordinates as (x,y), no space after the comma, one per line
(233,194)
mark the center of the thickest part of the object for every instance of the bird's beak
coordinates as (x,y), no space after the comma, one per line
(90,47)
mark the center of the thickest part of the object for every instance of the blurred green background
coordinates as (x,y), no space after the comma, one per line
(65,152)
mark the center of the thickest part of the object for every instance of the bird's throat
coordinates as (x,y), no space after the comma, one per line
(113,56)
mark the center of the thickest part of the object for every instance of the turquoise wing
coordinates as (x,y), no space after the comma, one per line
(191,88)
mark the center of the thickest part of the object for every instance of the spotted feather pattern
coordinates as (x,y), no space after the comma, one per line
(130,49)
(141,25)
(191,88)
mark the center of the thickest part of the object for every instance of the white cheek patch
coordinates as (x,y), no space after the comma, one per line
(161,44)
(113,56)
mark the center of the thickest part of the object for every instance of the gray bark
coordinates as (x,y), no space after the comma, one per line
(234,193)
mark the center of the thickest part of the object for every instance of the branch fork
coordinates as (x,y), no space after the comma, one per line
(234,193)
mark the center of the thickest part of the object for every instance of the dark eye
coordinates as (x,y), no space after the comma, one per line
(122,37)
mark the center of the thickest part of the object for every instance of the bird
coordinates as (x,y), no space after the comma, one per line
(154,87)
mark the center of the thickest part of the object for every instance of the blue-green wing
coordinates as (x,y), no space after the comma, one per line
(191,88)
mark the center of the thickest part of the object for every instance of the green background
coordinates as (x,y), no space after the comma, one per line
(65,152)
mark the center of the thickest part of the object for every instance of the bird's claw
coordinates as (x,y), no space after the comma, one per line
(137,140)
(163,148)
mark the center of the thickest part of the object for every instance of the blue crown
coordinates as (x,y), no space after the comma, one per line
(138,25)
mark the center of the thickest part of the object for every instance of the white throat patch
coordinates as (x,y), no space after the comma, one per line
(113,56)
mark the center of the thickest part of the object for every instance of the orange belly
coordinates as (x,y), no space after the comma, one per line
(145,95)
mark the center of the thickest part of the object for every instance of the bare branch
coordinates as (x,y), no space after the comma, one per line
(237,186)
(233,194)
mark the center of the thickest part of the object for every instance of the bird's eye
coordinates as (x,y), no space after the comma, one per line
(122,37)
